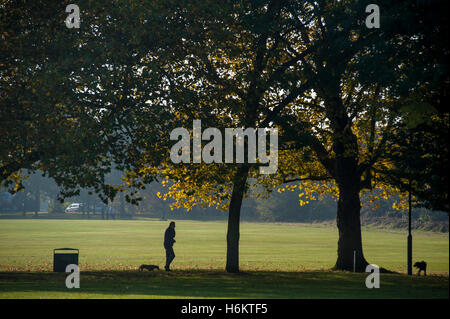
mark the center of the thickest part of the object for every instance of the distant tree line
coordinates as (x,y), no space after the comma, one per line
(40,194)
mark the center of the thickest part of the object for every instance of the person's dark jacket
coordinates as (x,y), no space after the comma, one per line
(169,237)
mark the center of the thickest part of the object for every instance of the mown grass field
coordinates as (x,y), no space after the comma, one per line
(277,260)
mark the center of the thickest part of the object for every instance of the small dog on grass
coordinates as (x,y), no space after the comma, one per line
(148,267)
(421,265)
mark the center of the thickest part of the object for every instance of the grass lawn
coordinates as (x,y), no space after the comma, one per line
(278,261)
(218,284)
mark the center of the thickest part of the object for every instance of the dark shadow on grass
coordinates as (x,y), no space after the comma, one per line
(387,271)
(219,284)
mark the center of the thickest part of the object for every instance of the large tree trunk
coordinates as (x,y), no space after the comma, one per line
(348,178)
(234,214)
(346,173)
(350,252)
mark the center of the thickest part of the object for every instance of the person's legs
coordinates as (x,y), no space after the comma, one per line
(170,255)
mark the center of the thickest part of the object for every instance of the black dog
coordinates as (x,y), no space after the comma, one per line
(421,265)
(148,267)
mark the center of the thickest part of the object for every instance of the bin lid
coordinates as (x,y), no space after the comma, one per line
(66,249)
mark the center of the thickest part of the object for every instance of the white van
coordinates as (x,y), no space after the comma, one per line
(74,207)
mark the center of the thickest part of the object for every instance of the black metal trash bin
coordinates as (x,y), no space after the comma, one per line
(61,260)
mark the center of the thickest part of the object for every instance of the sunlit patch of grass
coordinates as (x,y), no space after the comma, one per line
(27,245)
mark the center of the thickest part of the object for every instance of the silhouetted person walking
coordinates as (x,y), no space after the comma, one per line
(169,240)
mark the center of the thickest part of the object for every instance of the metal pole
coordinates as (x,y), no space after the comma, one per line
(409,232)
